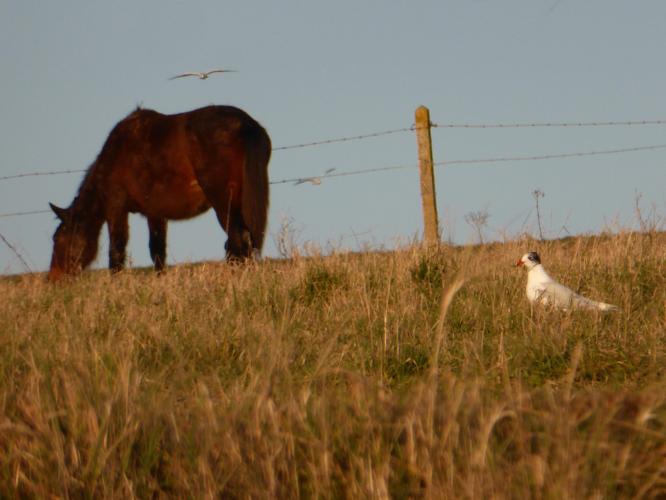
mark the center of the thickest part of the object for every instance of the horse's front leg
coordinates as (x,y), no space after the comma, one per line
(157,229)
(118,236)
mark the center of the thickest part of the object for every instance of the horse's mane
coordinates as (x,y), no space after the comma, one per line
(87,199)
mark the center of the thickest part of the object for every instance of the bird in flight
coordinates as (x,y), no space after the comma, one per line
(203,74)
(543,289)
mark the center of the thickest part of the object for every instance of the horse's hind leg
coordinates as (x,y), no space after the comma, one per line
(118,236)
(239,242)
(224,196)
(157,229)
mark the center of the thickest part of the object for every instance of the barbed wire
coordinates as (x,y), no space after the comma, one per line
(16,252)
(401,130)
(302,180)
(37,174)
(345,139)
(553,156)
(318,179)
(279,148)
(629,123)
(27,212)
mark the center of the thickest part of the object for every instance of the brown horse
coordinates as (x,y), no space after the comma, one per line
(169,167)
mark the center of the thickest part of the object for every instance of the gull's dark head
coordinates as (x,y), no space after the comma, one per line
(529,260)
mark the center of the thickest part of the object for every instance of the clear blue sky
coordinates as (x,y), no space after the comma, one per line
(317,70)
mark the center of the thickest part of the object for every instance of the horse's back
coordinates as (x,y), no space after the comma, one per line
(148,165)
(215,124)
(174,166)
(150,129)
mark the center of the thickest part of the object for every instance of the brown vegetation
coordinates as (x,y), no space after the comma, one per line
(342,376)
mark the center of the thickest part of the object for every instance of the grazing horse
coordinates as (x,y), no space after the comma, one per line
(169,167)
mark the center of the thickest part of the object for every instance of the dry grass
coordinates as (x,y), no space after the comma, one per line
(344,376)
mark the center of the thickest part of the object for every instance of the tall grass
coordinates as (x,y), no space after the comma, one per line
(353,375)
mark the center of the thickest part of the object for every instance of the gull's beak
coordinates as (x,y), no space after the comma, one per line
(519,263)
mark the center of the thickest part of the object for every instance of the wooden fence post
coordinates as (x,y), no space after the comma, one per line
(428,198)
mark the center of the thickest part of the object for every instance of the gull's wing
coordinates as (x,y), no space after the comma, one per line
(221,71)
(559,295)
(555,294)
(185,74)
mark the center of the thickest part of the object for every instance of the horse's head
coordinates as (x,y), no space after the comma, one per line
(72,247)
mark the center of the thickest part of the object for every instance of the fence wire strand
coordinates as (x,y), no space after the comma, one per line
(318,179)
(505,159)
(38,174)
(344,139)
(553,156)
(551,124)
(303,180)
(16,252)
(27,212)
(401,130)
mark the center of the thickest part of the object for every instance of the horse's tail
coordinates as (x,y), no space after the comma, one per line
(254,206)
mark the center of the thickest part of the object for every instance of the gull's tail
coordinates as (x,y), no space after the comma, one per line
(585,303)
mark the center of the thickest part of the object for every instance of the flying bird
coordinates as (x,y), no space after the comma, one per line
(203,74)
(543,289)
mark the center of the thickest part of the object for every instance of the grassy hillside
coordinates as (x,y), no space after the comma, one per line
(344,376)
